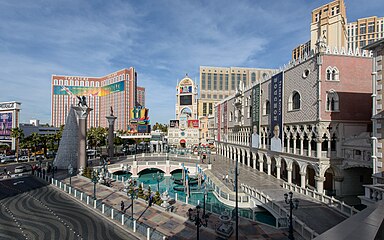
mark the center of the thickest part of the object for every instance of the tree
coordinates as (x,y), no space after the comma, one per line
(26,143)
(161,127)
(18,134)
(96,137)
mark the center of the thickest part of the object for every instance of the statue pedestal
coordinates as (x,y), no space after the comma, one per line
(82,113)
(111,122)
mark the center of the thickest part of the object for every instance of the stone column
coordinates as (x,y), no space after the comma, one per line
(289,175)
(278,167)
(302,179)
(320,184)
(309,147)
(261,165)
(301,146)
(288,144)
(82,113)
(111,122)
(318,148)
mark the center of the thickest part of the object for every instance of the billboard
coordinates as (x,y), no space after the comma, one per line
(255,103)
(143,128)
(185,89)
(186,100)
(87,91)
(5,125)
(139,115)
(193,123)
(276,124)
(174,123)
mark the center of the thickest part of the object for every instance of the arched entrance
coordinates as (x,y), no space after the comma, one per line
(296,173)
(311,173)
(182,143)
(283,170)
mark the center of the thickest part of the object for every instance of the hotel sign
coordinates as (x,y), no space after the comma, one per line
(7,106)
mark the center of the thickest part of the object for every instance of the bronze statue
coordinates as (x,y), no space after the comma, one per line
(111,111)
(82,101)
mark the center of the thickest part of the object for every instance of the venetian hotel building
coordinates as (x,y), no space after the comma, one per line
(117,90)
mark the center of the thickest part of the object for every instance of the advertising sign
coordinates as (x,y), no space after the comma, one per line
(276,124)
(5,126)
(255,103)
(87,91)
(174,123)
(139,115)
(185,89)
(193,123)
(142,128)
(218,121)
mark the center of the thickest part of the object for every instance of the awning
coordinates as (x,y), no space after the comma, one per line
(182,141)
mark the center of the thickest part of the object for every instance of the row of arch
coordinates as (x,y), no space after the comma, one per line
(304,174)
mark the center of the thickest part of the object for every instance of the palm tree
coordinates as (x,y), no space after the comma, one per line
(18,134)
(26,143)
(35,141)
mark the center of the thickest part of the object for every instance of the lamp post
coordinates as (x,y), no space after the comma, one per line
(132,192)
(95,179)
(70,172)
(293,204)
(135,150)
(158,177)
(198,221)
(205,196)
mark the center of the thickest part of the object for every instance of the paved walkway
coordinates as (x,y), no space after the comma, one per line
(175,225)
(314,214)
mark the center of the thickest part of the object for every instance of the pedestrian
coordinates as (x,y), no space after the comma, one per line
(226,178)
(223,177)
(5,170)
(122,205)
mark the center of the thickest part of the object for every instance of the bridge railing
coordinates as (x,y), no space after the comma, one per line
(113,214)
(338,205)
(282,219)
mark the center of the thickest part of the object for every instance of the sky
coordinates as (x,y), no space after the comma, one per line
(162,39)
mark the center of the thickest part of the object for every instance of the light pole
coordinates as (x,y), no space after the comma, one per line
(95,179)
(293,204)
(205,196)
(158,177)
(198,221)
(132,193)
(135,150)
(70,172)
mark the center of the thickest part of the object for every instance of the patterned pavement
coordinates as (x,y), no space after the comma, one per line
(174,224)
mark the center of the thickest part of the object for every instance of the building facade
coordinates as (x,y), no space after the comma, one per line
(9,118)
(377,106)
(183,131)
(117,90)
(330,23)
(309,124)
(141,96)
(217,83)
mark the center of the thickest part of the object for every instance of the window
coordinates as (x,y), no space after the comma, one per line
(266,108)
(245,80)
(253,77)
(204,109)
(210,108)
(306,73)
(55,82)
(221,81)
(294,101)
(230,116)
(226,82)
(209,81)
(371,27)
(332,101)
(215,81)
(363,29)
(203,81)
(332,74)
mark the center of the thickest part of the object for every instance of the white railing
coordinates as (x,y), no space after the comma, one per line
(282,219)
(330,201)
(374,192)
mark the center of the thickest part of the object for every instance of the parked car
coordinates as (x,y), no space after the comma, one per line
(7,159)
(20,169)
(23,159)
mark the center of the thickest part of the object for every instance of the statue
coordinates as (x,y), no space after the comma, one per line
(82,101)
(111,111)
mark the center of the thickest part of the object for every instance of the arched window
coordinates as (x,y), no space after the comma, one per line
(329,74)
(335,74)
(332,101)
(61,82)
(253,77)
(294,101)
(66,82)
(55,82)
(266,108)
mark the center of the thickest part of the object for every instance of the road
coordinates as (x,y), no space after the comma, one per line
(30,209)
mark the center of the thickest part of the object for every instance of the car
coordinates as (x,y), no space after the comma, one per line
(23,159)
(20,169)
(7,159)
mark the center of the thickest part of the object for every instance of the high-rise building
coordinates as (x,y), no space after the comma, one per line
(9,118)
(141,96)
(217,83)
(365,31)
(116,90)
(329,22)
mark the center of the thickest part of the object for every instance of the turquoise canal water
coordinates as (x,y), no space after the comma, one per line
(148,178)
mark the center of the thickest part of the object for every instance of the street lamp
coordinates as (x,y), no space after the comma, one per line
(95,179)
(293,204)
(70,172)
(205,196)
(158,177)
(198,221)
(132,192)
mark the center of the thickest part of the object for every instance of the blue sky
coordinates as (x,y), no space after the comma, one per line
(162,39)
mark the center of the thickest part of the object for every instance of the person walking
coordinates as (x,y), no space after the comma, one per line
(122,205)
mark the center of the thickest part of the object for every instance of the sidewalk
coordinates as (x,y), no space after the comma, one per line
(176,224)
